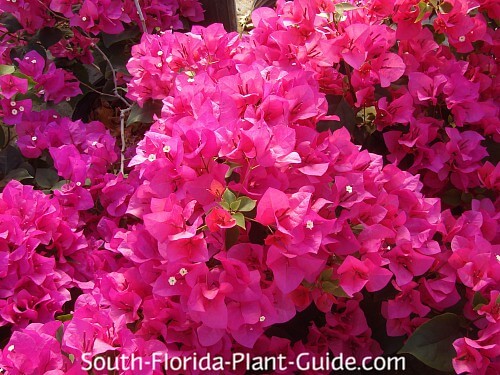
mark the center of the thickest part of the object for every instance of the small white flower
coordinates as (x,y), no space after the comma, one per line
(166,149)
(498,257)
(94,143)
(152,157)
(68,99)
(461,39)
(14,1)
(34,138)
(84,18)
(172,280)
(309,224)
(54,116)
(262,318)
(78,183)
(183,271)
(33,61)
(11,348)
(21,108)
(13,103)
(159,65)
(159,53)
(190,80)
(14,111)
(348,188)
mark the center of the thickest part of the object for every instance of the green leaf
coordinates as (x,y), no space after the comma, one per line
(64,318)
(424,8)
(432,342)
(18,174)
(478,301)
(60,334)
(247,204)
(326,275)
(7,69)
(46,178)
(332,287)
(235,205)
(228,196)
(49,36)
(145,114)
(344,7)
(240,219)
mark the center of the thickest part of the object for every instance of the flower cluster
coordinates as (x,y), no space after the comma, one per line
(238,226)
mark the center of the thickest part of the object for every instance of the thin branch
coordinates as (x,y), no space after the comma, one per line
(122,134)
(97,91)
(113,73)
(141,16)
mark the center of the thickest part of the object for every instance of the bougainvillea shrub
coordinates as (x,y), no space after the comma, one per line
(326,183)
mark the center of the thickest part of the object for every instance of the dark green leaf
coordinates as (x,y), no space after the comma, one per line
(337,105)
(326,275)
(446,7)
(10,158)
(478,301)
(432,342)
(145,114)
(129,33)
(18,174)
(246,204)
(240,219)
(232,235)
(2,136)
(49,36)
(46,178)
(7,69)
(10,22)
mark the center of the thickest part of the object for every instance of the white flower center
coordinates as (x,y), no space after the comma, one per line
(309,224)
(172,280)
(262,318)
(84,18)
(461,39)
(183,271)
(14,111)
(11,348)
(34,138)
(152,157)
(159,53)
(166,149)
(348,188)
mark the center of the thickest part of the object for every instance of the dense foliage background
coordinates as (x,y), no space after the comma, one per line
(327,182)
